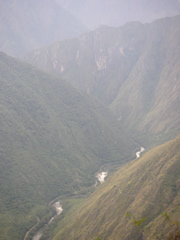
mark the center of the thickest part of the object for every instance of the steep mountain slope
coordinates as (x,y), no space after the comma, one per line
(117,12)
(134,69)
(146,190)
(52,141)
(153,83)
(26,25)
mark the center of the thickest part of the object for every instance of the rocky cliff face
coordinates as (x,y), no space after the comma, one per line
(96,60)
(132,69)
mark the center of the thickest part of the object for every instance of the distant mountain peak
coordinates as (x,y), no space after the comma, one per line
(118,12)
(26,25)
(133,69)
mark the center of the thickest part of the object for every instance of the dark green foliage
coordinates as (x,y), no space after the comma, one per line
(52,141)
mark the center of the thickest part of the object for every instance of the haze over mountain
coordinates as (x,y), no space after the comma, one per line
(52,141)
(98,98)
(117,12)
(26,25)
(133,69)
(145,191)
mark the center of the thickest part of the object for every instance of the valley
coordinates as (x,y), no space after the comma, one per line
(128,194)
(38,235)
(89,120)
(101,175)
(132,69)
(56,203)
(50,134)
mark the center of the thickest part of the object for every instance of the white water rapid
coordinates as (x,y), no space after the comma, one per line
(59,209)
(101,176)
(138,154)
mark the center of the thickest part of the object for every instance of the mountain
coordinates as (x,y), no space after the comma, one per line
(154,83)
(26,25)
(140,201)
(53,140)
(133,69)
(117,12)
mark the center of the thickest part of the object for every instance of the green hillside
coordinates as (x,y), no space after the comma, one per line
(153,83)
(133,69)
(140,201)
(52,141)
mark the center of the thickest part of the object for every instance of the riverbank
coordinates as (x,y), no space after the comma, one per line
(100,176)
(58,207)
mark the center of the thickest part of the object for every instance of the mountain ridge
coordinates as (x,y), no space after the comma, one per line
(128,68)
(100,12)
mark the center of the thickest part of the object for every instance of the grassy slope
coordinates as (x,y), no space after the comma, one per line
(144,188)
(52,140)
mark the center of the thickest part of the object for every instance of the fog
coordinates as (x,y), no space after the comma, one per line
(26,25)
(117,12)
(91,83)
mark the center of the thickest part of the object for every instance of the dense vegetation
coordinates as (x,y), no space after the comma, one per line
(140,201)
(52,140)
(54,137)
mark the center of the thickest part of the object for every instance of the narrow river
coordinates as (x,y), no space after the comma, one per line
(138,154)
(101,175)
(57,205)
